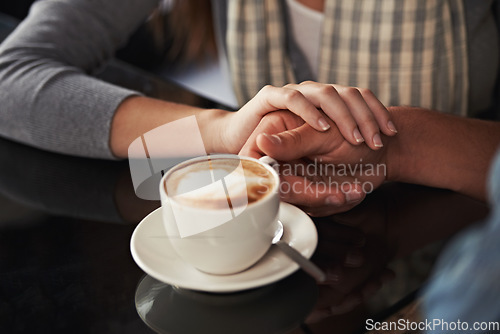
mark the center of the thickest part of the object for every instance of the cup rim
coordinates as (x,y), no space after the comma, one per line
(275,174)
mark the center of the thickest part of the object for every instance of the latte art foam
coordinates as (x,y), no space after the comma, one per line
(220,183)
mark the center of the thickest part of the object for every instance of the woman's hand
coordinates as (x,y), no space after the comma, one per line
(358,114)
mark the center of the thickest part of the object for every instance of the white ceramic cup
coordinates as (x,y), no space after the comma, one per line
(220,240)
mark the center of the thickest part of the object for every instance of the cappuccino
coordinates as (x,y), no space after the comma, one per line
(220,212)
(220,183)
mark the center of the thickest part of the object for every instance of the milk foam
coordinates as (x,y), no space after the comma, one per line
(211,184)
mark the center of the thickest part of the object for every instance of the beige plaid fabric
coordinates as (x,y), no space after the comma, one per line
(408,52)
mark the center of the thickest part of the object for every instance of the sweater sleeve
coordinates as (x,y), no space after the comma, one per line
(48,99)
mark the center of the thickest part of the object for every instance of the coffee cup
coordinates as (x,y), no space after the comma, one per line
(220,211)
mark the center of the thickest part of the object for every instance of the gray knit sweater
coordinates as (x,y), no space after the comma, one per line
(48,98)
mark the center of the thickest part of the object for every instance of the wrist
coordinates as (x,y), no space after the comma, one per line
(402,151)
(213,126)
(393,147)
(138,115)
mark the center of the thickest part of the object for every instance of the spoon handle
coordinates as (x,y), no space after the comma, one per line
(303,262)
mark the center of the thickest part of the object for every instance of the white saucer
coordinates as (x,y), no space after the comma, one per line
(154,254)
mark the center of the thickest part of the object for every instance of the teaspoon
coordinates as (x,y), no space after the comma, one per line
(306,265)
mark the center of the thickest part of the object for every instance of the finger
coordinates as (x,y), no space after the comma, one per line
(380,112)
(273,123)
(252,147)
(328,210)
(327,99)
(320,197)
(363,115)
(297,143)
(334,203)
(303,192)
(271,98)
(252,151)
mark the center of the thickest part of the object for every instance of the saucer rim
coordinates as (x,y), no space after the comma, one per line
(234,286)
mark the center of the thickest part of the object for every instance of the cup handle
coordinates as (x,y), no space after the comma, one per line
(268,160)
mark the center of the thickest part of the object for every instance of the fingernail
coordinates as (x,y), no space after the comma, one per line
(276,140)
(333,200)
(377,141)
(353,196)
(392,127)
(323,124)
(357,135)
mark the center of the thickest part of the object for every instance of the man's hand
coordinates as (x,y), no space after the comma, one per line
(320,171)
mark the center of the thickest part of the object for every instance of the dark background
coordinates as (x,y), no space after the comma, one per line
(139,51)
(15,8)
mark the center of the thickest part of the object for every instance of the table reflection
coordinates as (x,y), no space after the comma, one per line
(400,230)
(276,308)
(67,264)
(90,189)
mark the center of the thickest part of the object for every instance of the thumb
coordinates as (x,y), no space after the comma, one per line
(293,144)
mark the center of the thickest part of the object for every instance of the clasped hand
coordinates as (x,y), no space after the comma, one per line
(324,170)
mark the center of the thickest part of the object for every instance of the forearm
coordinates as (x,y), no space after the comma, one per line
(137,115)
(441,150)
(46,98)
